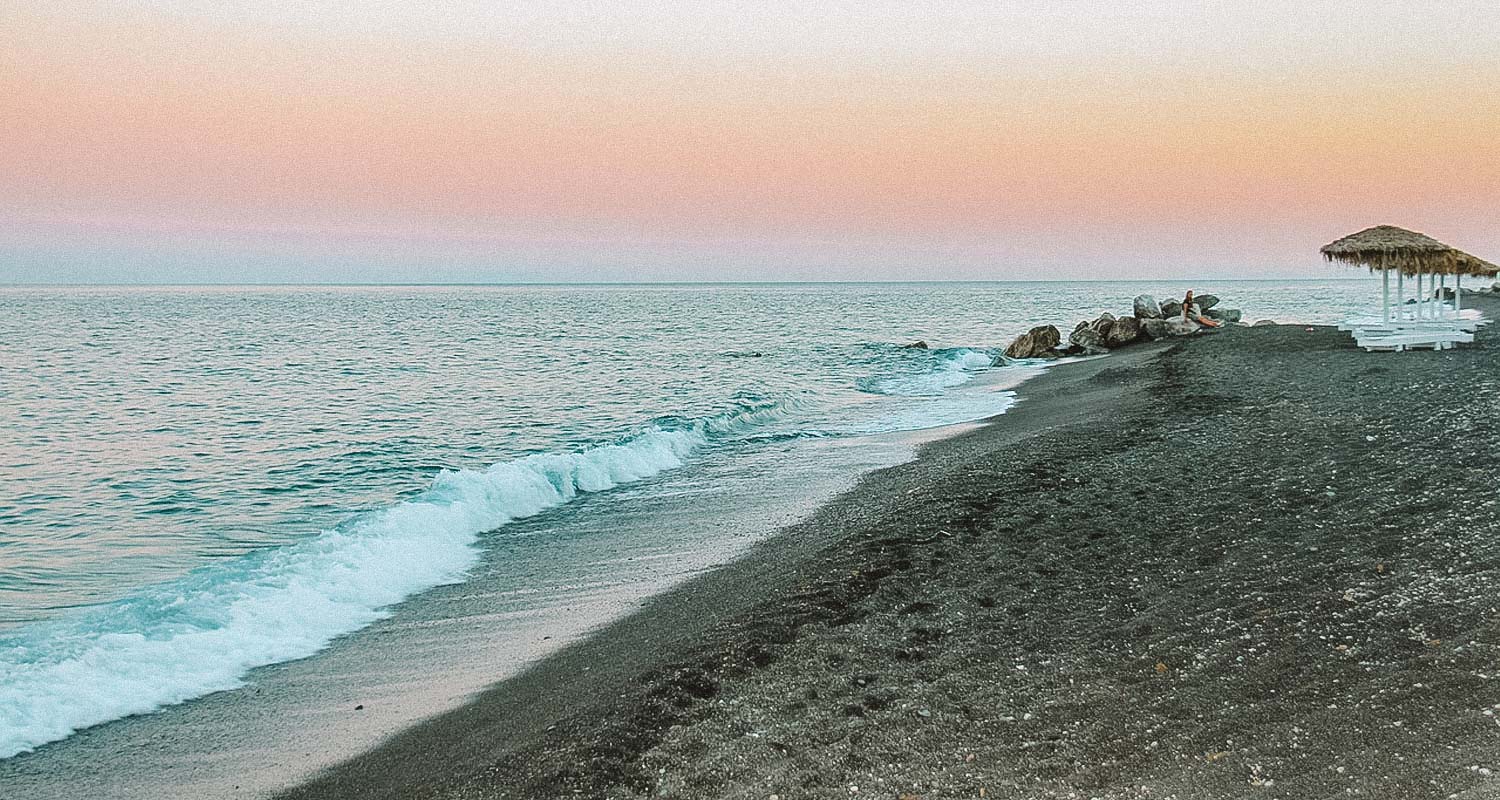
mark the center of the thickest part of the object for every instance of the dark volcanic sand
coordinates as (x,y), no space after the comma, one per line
(1260,563)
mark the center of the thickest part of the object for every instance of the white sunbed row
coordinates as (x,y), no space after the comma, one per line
(1438,328)
(1412,339)
(1432,314)
(1378,325)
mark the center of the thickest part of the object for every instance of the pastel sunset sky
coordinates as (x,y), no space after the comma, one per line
(468,141)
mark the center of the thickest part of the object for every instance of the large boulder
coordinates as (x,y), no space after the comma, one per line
(917,345)
(1125,331)
(1039,342)
(1154,329)
(1146,307)
(1167,328)
(1086,341)
(1184,327)
(1102,325)
(1205,301)
(1223,314)
(1170,309)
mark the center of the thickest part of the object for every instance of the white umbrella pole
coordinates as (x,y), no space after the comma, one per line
(1458,294)
(1400,294)
(1442,290)
(1385,295)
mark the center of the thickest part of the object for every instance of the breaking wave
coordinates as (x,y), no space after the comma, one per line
(940,371)
(203,632)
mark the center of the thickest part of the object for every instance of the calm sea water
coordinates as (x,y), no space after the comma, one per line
(195,482)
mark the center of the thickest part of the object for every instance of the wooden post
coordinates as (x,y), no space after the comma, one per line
(1400,294)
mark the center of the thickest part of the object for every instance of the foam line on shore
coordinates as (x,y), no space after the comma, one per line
(203,632)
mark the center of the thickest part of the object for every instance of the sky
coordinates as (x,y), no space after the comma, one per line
(307,141)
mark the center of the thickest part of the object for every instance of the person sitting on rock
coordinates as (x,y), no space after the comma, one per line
(1191,313)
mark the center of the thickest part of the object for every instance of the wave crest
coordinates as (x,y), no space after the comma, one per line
(203,632)
(940,371)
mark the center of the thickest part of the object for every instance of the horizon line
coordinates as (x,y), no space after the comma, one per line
(420,284)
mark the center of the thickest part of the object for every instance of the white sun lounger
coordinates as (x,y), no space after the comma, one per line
(1401,340)
(1377,325)
(1436,319)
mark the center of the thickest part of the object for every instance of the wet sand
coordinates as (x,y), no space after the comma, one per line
(1260,563)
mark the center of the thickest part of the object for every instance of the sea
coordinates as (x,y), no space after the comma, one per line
(229,515)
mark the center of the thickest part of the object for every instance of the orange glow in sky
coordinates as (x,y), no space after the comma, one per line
(711,142)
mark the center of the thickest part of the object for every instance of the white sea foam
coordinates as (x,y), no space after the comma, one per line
(203,632)
(952,368)
(934,412)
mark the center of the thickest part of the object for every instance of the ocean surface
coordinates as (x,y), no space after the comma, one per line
(199,482)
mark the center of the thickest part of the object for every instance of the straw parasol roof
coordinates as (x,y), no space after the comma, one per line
(1390,247)
(1474,265)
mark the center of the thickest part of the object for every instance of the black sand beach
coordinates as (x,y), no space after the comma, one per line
(1261,563)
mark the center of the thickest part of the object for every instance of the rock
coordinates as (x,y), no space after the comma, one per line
(1205,301)
(1167,328)
(1146,307)
(1086,341)
(1125,331)
(1035,343)
(1102,325)
(1170,309)
(917,345)
(1261,323)
(1154,329)
(1223,314)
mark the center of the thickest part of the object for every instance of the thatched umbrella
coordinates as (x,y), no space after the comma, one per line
(1387,247)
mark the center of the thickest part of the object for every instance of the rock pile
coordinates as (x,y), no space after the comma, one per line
(1148,321)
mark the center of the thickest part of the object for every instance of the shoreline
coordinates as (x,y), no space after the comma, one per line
(1191,569)
(435,651)
(519,712)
